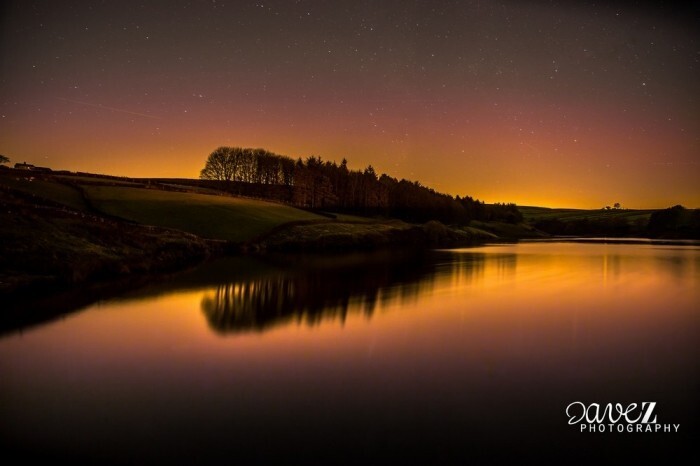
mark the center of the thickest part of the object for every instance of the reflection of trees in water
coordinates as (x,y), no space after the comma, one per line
(311,294)
(259,303)
(681,265)
(470,267)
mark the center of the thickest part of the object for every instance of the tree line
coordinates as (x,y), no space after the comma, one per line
(324,185)
(675,222)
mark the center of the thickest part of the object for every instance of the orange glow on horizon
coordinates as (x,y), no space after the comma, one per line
(493,109)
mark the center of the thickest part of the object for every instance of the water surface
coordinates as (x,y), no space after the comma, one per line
(443,357)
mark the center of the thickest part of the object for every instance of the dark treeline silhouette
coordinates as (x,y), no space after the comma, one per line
(323,185)
(675,222)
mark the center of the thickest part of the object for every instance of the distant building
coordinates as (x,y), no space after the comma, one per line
(29,166)
(24,166)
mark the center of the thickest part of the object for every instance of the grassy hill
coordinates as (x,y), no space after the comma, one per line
(208,216)
(213,216)
(592,222)
(217,215)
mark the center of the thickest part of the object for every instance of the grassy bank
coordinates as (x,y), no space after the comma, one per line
(353,235)
(46,246)
(589,223)
(508,231)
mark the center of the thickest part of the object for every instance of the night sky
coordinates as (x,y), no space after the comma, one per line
(540,103)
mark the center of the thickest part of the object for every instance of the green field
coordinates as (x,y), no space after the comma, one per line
(194,189)
(53,191)
(78,179)
(217,217)
(534,214)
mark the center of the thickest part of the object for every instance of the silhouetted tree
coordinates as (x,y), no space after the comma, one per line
(287,170)
(4,159)
(674,222)
(221,165)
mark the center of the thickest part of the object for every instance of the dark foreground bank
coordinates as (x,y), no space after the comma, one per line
(48,248)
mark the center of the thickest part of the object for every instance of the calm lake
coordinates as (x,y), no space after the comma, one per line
(439,357)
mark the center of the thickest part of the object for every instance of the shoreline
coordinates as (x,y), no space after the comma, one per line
(54,252)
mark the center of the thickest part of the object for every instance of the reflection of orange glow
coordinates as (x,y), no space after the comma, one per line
(539,288)
(491,326)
